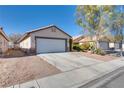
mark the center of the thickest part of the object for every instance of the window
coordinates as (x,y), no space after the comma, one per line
(0,42)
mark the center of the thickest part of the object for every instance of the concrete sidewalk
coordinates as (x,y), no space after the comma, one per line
(76,77)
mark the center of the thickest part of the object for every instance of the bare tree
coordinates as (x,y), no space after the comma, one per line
(14,37)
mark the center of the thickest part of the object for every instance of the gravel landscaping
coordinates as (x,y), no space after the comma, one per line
(99,57)
(22,69)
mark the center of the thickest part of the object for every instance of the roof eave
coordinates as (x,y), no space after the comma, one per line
(4,35)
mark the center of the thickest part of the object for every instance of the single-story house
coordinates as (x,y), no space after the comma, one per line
(103,42)
(81,39)
(4,41)
(45,40)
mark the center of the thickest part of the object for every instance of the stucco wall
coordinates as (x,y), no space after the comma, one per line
(26,43)
(50,32)
(3,44)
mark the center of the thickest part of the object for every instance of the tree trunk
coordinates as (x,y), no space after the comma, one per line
(97,42)
(121,50)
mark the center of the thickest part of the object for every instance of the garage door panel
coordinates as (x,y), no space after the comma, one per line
(50,45)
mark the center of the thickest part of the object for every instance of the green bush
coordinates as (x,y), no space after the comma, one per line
(77,47)
(86,46)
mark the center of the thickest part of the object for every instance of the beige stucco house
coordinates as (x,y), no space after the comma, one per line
(45,40)
(104,43)
(81,39)
(4,41)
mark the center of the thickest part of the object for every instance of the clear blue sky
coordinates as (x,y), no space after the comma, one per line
(21,19)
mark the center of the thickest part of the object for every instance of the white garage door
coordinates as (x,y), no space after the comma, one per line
(50,45)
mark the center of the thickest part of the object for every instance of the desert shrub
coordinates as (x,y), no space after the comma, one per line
(99,51)
(14,53)
(93,49)
(77,47)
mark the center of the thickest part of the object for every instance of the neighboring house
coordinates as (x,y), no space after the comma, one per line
(11,45)
(83,39)
(4,41)
(45,40)
(103,42)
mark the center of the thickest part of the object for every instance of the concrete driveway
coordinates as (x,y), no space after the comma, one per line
(69,60)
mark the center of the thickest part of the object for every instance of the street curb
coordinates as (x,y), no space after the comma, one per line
(105,81)
(95,78)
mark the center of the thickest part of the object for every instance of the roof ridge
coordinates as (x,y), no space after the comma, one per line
(40,28)
(45,27)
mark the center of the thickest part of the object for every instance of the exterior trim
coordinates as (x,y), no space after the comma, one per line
(4,35)
(70,44)
(23,37)
(50,38)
